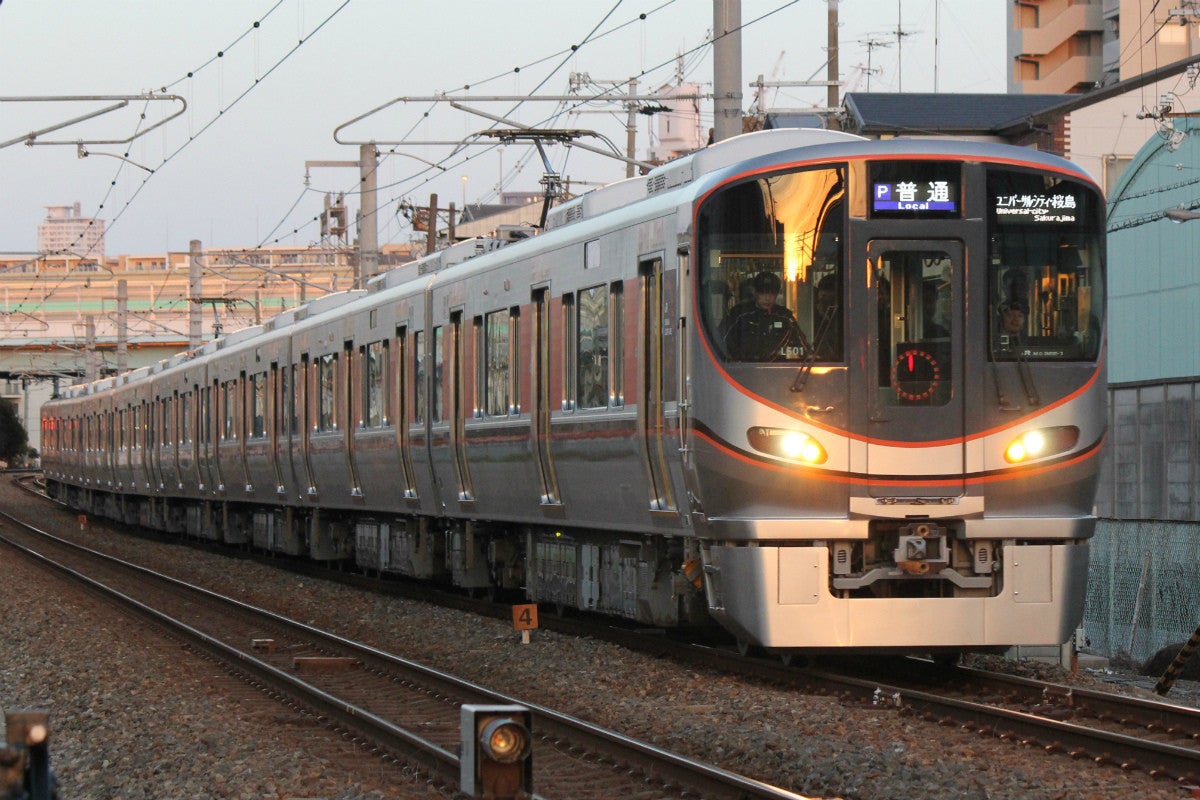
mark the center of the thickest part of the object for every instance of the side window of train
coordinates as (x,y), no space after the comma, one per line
(498,373)
(258,405)
(419,366)
(592,348)
(205,422)
(228,410)
(770,267)
(616,344)
(437,406)
(295,398)
(399,402)
(375,360)
(570,356)
(185,411)
(326,386)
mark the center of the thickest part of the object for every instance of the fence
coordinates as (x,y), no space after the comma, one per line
(1143,587)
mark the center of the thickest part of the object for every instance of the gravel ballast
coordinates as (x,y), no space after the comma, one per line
(136,716)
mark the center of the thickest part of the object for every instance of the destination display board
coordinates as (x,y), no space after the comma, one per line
(1055,206)
(916,190)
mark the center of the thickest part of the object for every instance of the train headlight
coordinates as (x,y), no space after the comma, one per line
(1040,443)
(790,444)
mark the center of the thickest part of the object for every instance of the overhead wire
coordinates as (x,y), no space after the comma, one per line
(609,92)
(194,135)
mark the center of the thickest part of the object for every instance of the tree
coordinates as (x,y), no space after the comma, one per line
(14,441)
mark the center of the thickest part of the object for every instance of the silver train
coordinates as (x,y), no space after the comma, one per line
(832,393)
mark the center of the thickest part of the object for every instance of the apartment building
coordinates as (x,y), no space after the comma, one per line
(65,231)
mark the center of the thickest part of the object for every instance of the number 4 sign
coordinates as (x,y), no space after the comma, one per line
(525,619)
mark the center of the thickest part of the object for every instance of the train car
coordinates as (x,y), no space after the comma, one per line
(832,393)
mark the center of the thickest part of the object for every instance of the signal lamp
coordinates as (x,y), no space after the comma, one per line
(496,748)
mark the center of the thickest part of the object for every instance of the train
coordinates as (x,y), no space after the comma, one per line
(832,394)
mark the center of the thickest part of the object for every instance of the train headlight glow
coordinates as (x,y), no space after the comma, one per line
(790,444)
(1040,443)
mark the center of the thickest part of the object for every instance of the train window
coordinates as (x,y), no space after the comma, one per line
(592,347)
(400,401)
(616,345)
(497,354)
(374,370)
(770,278)
(326,385)
(913,305)
(165,408)
(292,389)
(419,377)
(436,408)
(1045,268)
(202,414)
(570,355)
(228,410)
(185,410)
(258,405)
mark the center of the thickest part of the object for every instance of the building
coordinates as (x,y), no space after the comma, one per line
(66,318)
(65,231)
(1069,46)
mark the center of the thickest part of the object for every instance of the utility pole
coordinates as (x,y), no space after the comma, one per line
(831,37)
(91,357)
(727,69)
(122,326)
(368,231)
(368,219)
(195,290)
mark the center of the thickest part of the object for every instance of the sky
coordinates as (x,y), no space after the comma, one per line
(264,84)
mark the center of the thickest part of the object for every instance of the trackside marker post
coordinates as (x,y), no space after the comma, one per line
(525,619)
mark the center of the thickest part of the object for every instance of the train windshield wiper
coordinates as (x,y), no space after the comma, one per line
(810,356)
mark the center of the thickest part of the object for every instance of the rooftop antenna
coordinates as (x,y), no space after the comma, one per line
(871,44)
(937,25)
(900,34)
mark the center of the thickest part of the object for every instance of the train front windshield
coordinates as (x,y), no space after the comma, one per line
(773,276)
(771,280)
(1045,271)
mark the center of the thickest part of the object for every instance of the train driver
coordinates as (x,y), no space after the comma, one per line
(1011,324)
(762,329)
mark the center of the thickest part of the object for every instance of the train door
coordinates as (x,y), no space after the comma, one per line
(305,401)
(541,392)
(457,410)
(402,413)
(352,367)
(915,373)
(277,395)
(210,477)
(654,383)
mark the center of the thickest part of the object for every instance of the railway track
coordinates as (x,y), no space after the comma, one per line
(1128,733)
(406,712)
(1131,733)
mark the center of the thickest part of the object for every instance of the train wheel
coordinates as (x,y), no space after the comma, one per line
(797,660)
(744,648)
